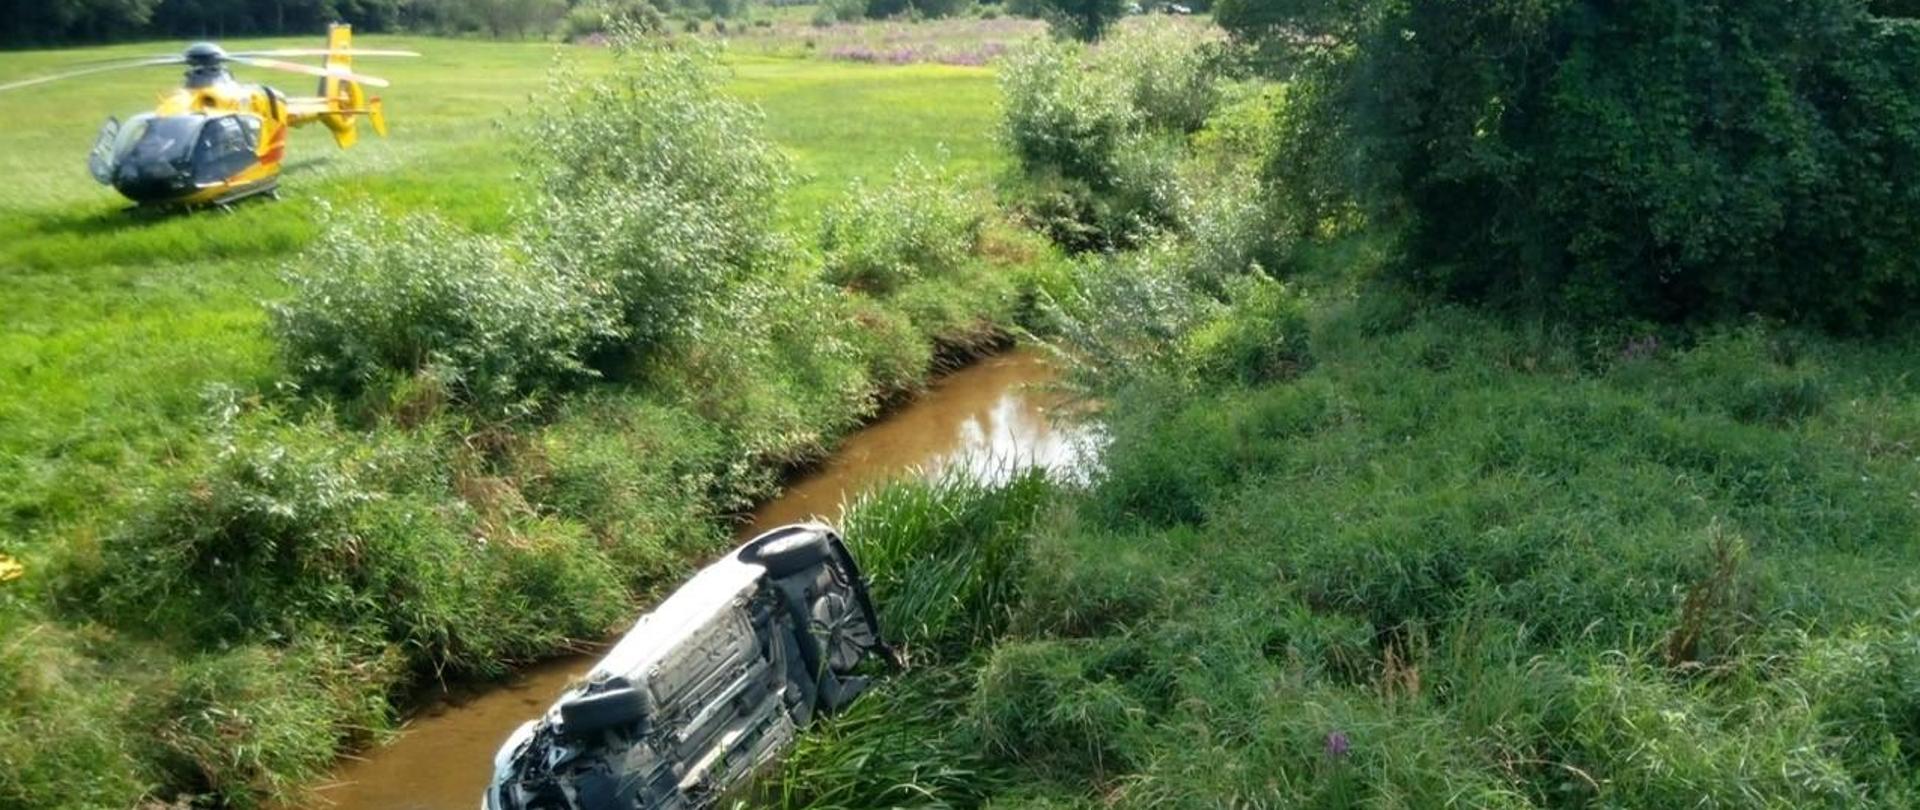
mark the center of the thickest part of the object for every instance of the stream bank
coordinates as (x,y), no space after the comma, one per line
(982,421)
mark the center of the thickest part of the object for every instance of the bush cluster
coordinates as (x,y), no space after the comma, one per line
(375,298)
(1170,71)
(1099,137)
(612,17)
(282,529)
(919,225)
(1149,317)
(1657,159)
(655,189)
(653,214)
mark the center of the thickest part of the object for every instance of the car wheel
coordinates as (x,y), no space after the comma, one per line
(789,552)
(610,709)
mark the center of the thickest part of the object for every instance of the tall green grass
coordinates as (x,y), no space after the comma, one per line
(943,558)
(238,559)
(1454,562)
(1348,547)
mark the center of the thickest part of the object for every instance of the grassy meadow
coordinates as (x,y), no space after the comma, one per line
(1352,542)
(121,328)
(116,321)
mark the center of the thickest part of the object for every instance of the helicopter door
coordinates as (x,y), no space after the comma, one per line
(224,150)
(100,160)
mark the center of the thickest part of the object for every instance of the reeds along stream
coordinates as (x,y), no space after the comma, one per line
(988,419)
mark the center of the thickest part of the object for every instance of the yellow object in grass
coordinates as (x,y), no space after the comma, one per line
(10,569)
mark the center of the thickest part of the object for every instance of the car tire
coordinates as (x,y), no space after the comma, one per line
(611,709)
(789,552)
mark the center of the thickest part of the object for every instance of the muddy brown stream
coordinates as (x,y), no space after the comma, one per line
(985,419)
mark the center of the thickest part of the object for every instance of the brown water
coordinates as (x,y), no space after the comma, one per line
(986,419)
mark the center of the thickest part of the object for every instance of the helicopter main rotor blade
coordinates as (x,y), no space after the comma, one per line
(310,70)
(163,60)
(323,52)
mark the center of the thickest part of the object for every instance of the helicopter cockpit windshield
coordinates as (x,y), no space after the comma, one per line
(152,138)
(157,156)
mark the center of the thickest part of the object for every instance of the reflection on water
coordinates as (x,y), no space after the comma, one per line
(986,420)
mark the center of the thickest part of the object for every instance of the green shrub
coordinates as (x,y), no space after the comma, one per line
(655,189)
(780,381)
(374,298)
(644,479)
(1058,117)
(1128,317)
(897,354)
(1084,20)
(612,16)
(942,556)
(1170,71)
(1230,234)
(1260,337)
(919,225)
(1098,172)
(1661,159)
(279,527)
(963,315)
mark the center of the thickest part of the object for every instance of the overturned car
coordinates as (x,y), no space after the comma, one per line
(706,688)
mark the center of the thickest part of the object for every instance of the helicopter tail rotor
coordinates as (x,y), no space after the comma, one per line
(377,116)
(344,91)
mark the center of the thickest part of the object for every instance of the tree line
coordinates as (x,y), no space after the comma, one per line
(32,23)
(1668,160)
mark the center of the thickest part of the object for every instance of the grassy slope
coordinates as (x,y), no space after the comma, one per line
(1454,561)
(1457,562)
(114,323)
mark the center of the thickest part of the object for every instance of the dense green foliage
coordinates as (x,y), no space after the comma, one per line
(881,239)
(1654,159)
(1449,556)
(1497,566)
(1084,20)
(1349,546)
(419,296)
(655,192)
(1098,134)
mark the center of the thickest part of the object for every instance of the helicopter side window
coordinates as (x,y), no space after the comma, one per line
(224,149)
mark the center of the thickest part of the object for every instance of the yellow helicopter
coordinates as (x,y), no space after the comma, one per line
(215,140)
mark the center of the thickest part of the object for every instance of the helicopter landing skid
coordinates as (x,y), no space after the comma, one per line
(271,189)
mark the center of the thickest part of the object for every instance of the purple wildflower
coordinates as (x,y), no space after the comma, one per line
(1337,744)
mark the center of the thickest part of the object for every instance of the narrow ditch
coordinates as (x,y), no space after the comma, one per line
(984,421)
